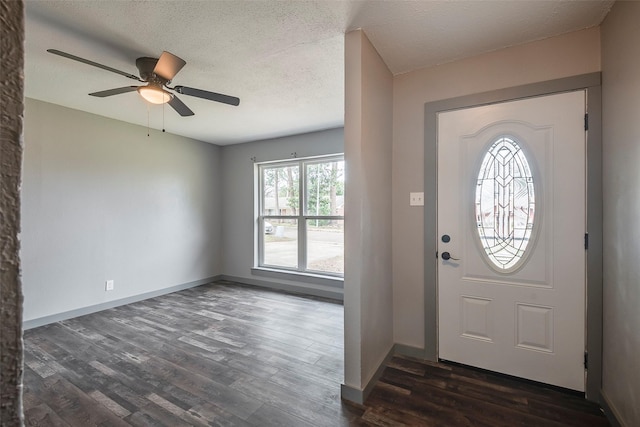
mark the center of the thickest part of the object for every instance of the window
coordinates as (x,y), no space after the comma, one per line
(301,215)
(505,203)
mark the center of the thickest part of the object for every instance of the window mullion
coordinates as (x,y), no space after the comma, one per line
(261,242)
(302,225)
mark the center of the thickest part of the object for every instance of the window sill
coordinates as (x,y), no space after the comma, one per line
(311,278)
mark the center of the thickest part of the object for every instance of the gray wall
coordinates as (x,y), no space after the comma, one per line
(368,299)
(101,200)
(238,210)
(11,113)
(621,174)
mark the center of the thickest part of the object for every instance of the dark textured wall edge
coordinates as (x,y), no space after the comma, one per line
(11,125)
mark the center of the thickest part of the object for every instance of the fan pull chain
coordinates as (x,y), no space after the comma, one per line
(148,126)
(163,116)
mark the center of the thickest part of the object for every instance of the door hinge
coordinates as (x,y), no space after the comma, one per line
(586,122)
(586,360)
(586,241)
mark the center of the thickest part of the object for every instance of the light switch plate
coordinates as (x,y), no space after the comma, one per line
(416,199)
(109,285)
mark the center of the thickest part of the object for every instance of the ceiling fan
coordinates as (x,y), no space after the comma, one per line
(157,73)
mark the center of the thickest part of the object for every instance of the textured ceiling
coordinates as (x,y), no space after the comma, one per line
(283,59)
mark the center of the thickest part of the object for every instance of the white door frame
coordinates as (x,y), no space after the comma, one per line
(592,83)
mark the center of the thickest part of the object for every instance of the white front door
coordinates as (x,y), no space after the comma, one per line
(511,221)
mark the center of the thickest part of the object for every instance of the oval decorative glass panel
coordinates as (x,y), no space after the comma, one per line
(505,203)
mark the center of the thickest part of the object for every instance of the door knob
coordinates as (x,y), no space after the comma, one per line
(447,256)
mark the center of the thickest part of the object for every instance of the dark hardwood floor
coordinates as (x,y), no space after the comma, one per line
(231,355)
(419,393)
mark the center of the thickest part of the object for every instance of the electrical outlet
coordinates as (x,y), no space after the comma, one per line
(108,285)
(416,199)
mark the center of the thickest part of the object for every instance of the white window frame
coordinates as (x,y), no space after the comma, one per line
(301,217)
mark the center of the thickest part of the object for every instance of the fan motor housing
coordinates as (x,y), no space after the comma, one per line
(145,66)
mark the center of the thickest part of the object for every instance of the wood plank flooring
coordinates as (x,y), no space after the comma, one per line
(421,393)
(232,355)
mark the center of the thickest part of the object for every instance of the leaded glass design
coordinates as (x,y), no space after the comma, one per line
(505,203)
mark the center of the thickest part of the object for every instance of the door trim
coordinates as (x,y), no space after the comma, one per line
(592,84)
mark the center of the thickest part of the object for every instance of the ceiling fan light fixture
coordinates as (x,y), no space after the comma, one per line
(157,73)
(155,95)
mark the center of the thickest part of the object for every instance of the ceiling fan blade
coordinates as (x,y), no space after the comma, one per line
(211,96)
(95,64)
(116,91)
(179,106)
(168,65)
